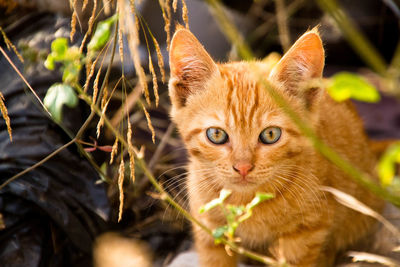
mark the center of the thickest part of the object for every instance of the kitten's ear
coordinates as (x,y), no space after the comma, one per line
(190,65)
(303,62)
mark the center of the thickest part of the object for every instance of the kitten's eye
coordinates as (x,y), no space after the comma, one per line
(270,135)
(217,136)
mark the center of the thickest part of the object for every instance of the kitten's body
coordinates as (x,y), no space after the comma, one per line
(301,224)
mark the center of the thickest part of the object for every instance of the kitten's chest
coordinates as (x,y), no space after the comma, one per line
(265,226)
(255,233)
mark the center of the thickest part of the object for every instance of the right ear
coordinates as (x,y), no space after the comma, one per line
(191,66)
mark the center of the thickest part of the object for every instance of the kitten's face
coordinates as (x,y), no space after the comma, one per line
(233,130)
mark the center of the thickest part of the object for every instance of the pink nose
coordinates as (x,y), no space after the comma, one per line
(243,168)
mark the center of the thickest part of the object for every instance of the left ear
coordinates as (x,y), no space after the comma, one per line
(302,63)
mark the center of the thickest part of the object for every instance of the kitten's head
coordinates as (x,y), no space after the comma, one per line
(235,133)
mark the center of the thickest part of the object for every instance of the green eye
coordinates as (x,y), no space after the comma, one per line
(270,135)
(217,136)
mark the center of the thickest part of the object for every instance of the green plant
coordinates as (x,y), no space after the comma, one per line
(72,60)
(234,215)
(387,166)
(345,85)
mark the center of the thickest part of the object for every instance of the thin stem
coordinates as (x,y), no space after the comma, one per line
(23,78)
(55,152)
(229,29)
(78,135)
(357,40)
(362,178)
(282,17)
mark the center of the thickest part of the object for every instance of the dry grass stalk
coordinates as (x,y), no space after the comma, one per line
(185,16)
(88,68)
(23,79)
(166,13)
(4,112)
(160,58)
(149,124)
(130,102)
(104,105)
(281,16)
(133,11)
(84,5)
(96,87)
(133,41)
(90,27)
(10,45)
(131,151)
(91,66)
(153,134)
(175,5)
(352,203)
(121,177)
(114,150)
(106,5)
(120,45)
(155,84)
(372,258)
(73,21)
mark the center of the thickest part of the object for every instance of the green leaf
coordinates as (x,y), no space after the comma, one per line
(224,194)
(210,205)
(345,85)
(57,96)
(215,202)
(49,63)
(387,164)
(219,233)
(260,197)
(59,47)
(102,34)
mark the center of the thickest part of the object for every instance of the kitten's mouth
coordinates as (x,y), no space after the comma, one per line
(243,181)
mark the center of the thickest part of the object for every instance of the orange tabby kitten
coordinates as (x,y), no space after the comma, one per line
(239,139)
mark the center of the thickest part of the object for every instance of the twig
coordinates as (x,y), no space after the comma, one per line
(356,39)
(129,104)
(78,134)
(161,146)
(262,29)
(282,17)
(229,29)
(23,78)
(55,152)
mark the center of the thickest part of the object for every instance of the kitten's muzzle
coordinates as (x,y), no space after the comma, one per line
(243,168)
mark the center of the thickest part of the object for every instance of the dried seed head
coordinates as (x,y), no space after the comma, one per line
(155,84)
(91,72)
(104,105)
(120,45)
(159,59)
(85,2)
(166,13)
(175,4)
(96,87)
(114,150)
(10,45)
(90,27)
(121,177)
(185,16)
(131,152)
(73,26)
(4,112)
(153,134)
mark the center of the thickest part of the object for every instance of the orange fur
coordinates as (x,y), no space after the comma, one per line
(301,224)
